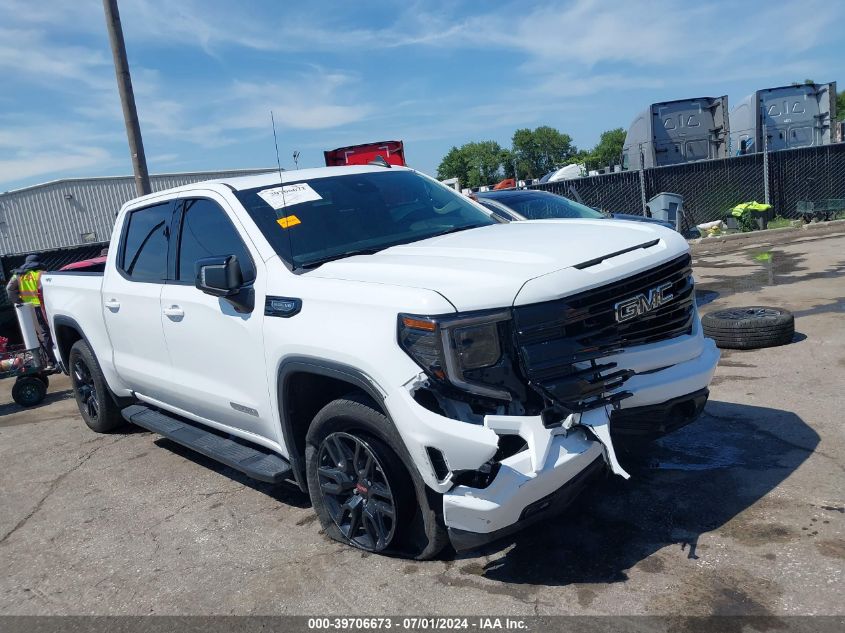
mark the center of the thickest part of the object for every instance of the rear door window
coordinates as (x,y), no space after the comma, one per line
(143,256)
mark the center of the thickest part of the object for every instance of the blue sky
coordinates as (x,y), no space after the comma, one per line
(435,74)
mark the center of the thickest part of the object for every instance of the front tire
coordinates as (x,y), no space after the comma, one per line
(362,492)
(93,397)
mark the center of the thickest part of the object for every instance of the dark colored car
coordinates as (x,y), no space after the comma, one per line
(532,204)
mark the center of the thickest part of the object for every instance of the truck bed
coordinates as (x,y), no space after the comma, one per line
(75,297)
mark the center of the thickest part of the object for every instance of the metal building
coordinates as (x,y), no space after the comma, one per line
(77,212)
(70,220)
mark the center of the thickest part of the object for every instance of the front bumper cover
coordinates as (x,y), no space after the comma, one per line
(553,460)
(544,508)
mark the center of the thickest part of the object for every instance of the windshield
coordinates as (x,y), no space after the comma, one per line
(310,222)
(540,206)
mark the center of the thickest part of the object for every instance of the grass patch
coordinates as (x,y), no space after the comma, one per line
(780,223)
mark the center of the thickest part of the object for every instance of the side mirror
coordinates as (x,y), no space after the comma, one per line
(223,277)
(219,276)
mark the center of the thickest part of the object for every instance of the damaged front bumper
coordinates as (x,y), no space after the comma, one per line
(540,480)
(668,389)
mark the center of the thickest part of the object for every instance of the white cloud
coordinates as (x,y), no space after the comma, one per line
(562,59)
(312,100)
(29,55)
(52,162)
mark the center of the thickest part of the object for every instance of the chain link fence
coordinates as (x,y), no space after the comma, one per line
(620,192)
(799,180)
(806,181)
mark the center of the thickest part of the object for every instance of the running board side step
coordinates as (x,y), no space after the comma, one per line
(254,461)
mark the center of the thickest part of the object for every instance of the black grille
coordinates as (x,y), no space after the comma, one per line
(554,335)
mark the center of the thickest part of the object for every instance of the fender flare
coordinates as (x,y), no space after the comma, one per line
(71,323)
(321,367)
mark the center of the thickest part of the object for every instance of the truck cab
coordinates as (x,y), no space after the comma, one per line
(784,118)
(676,132)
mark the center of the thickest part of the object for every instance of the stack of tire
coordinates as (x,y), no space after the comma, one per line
(749,328)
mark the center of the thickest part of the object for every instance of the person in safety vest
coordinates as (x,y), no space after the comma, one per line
(24,287)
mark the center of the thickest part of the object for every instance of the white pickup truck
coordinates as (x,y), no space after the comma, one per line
(425,372)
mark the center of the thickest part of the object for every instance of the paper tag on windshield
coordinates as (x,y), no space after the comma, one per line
(289,195)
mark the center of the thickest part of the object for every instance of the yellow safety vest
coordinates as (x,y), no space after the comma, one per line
(29,287)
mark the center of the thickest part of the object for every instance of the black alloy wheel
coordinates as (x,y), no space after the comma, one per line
(356,491)
(85,390)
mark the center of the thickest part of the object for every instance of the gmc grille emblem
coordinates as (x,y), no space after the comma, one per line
(642,303)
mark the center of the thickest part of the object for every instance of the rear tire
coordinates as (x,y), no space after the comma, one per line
(749,328)
(386,496)
(93,396)
(28,391)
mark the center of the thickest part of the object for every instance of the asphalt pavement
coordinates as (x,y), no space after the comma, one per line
(739,513)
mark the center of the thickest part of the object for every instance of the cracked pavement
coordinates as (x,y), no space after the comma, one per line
(740,513)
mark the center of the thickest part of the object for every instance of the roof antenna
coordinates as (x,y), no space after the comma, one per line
(276,143)
(282,186)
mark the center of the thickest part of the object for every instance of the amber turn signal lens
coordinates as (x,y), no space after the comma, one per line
(419,324)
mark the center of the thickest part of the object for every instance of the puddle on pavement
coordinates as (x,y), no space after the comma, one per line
(766,259)
(758,269)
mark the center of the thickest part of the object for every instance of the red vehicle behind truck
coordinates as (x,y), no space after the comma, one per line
(391,151)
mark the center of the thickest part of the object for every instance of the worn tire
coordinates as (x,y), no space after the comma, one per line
(103,416)
(28,391)
(750,327)
(419,531)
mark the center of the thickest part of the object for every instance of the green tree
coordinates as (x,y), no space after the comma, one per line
(508,159)
(609,149)
(581,157)
(485,162)
(454,165)
(539,151)
(473,164)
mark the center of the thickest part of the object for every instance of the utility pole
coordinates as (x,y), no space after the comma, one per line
(127,97)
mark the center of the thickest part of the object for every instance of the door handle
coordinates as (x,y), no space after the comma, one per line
(174,311)
(112,304)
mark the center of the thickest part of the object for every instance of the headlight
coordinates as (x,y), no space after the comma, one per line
(447,347)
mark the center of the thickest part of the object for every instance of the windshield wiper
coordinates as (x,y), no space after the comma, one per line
(330,258)
(376,249)
(455,229)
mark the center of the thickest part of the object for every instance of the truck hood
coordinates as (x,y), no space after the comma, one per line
(487,267)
